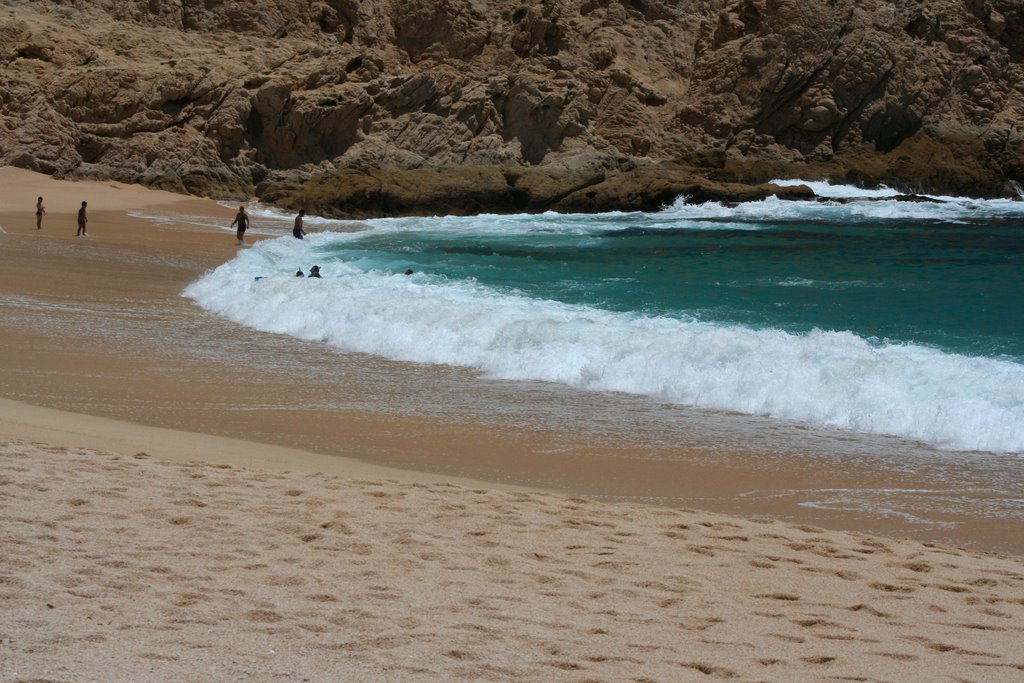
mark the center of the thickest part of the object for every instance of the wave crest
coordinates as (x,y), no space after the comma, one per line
(826,378)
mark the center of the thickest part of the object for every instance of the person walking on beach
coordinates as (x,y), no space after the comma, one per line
(40,212)
(82,220)
(297,231)
(242,219)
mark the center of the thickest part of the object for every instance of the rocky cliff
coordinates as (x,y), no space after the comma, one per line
(370,107)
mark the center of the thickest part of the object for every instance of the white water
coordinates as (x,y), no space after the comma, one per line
(834,379)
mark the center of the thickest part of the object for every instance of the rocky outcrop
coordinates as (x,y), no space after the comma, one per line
(382,107)
(462,190)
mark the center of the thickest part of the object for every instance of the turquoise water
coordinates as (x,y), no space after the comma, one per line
(958,287)
(860,313)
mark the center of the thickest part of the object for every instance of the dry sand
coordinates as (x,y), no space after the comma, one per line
(124,567)
(214,557)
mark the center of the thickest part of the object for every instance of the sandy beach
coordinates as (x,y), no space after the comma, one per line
(187,499)
(126,567)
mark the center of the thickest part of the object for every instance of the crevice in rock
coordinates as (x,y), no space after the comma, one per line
(855,112)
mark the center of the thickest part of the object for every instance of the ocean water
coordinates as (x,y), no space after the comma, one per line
(860,313)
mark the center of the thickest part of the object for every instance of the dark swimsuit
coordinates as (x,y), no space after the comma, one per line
(243,223)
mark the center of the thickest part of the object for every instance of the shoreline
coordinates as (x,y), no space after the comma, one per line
(106,333)
(180,494)
(34,424)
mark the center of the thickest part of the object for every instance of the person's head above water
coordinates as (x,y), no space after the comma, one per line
(299,273)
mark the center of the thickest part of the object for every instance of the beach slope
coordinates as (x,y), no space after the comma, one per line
(127,567)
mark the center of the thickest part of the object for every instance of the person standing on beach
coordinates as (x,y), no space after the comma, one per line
(297,231)
(82,220)
(40,212)
(242,219)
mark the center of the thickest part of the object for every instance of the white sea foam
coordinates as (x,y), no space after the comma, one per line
(817,284)
(857,208)
(825,378)
(822,188)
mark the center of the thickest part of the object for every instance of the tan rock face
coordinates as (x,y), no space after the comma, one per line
(223,97)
